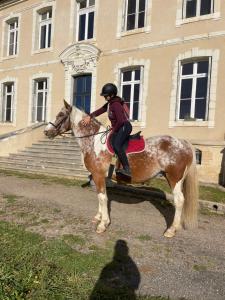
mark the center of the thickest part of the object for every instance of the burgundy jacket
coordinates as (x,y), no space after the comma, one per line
(116,113)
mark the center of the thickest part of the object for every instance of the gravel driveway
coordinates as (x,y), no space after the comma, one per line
(189,266)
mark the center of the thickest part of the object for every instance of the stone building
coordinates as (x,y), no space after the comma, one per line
(166,57)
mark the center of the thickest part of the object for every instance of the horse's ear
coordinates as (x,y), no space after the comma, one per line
(67,106)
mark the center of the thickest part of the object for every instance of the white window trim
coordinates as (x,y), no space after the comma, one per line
(132,82)
(121,20)
(15,32)
(144,92)
(32,79)
(2,82)
(5,36)
(44,23)
(36,29)
(194,77)
(194,54)
(85,11)
(180,9)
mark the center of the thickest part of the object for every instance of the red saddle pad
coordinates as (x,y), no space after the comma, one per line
(134,145)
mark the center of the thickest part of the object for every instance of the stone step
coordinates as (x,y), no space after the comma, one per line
(58,142)
(54,147)
(51,152)
(58,157)
(75,175)
(43,162)
(68,167)
(45,156)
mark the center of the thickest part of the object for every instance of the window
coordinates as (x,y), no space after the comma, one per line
(193,95)
(40,100)
(45,27)
(82,92)
(86,16)
(135,14)
(12,37)
(194,8)
(131,88)
(8,102)
(198,156)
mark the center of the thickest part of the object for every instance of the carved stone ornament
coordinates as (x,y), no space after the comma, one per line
(80,58)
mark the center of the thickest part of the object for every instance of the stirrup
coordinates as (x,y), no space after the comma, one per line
(124,172)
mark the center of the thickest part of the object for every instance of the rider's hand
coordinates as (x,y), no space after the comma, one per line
(86,120)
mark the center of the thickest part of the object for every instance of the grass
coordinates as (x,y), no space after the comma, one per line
(10,198)
(36,268)
(144,237)
(200,268)
(205,192)
(45,179)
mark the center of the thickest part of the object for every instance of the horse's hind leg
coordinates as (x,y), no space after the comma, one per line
(178,202)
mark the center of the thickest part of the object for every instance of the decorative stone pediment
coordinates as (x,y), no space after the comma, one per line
(80,58)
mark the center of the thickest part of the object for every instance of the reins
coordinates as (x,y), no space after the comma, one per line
(104,135)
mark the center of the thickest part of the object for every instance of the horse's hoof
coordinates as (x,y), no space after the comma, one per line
(169,233)
(100,229)
(95,221)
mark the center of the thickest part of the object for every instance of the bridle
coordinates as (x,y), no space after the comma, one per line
(104,133)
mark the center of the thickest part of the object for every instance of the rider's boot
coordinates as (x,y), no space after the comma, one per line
(125,171)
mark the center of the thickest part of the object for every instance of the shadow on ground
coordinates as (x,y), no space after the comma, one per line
(120,278)
(130,197)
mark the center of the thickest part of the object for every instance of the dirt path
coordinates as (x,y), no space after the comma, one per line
(189,266)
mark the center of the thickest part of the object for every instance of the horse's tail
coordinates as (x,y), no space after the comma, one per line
(190,190)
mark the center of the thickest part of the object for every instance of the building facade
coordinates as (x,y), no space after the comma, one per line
(168,65)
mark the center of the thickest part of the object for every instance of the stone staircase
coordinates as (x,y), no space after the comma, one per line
(58,157)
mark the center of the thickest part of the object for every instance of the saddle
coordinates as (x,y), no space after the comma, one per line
(134,144)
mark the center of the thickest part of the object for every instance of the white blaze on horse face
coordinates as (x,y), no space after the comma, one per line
(49,127)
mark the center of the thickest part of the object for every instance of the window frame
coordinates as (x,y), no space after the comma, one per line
(132,82)
(180,20)
(45,23)
(45,93)
(85,11)
(198,9)
(194,78)
(15,32)
(5,94)
(136,16)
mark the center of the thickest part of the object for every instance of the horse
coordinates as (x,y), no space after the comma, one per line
(170,156)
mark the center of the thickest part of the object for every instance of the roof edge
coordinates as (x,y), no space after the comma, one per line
(8,3)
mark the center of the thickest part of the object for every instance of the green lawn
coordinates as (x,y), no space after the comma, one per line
(205,192)
(35,268)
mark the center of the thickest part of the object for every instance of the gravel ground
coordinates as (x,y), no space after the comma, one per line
(189,266)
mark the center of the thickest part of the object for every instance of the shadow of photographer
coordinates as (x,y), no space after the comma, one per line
(120,278)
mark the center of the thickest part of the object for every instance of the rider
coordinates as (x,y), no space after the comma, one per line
(121,127)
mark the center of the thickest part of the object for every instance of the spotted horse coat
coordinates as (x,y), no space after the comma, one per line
(170,156)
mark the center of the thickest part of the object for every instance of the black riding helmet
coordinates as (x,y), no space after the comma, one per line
(109,89)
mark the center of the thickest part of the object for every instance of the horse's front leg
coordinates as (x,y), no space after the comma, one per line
(102,214)
(179,203)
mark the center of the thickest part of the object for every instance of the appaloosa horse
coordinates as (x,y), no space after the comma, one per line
(172,157)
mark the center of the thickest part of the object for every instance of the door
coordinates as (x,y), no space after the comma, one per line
(82,92)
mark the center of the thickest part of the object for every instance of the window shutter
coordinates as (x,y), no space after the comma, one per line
(33,113)
(124,15)
(2,103)
(13,102)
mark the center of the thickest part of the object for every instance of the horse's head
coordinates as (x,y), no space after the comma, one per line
(61,124)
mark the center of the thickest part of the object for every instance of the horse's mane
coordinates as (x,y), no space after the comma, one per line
(84,113)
